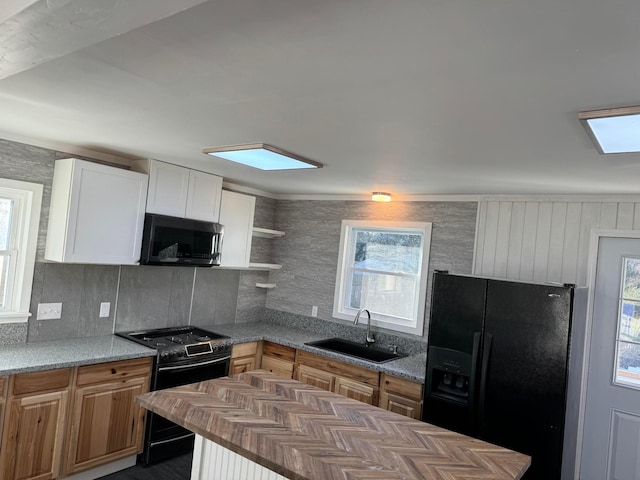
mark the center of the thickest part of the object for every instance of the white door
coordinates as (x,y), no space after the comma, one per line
(611,441)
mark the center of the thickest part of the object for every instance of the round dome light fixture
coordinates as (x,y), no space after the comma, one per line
(381,197)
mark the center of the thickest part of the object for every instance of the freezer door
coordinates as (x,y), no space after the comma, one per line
(457,311)
(523,386)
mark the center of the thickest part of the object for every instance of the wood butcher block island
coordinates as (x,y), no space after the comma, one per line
(302,432)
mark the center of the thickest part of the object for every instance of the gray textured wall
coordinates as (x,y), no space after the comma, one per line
(150,296)
(140,296)
(309,250)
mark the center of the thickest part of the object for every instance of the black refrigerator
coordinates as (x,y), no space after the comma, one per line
(497,364)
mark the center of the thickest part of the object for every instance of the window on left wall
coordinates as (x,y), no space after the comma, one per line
(19,219)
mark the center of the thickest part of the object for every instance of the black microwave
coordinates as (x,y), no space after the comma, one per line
(180,241)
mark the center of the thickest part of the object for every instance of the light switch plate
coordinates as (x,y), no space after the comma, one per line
(49,311)
(105,308)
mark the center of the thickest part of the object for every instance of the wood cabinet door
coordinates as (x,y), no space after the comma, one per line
(241,365)
(315,377)
(203,196)
(402,405)
(33,436)
(106,423)
(401,396)
(356,390)
(277,366)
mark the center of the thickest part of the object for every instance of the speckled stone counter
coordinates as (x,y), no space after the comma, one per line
(411,367)
(30,357)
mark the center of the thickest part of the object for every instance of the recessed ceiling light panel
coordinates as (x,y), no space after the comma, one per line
(615,130)
(263,157)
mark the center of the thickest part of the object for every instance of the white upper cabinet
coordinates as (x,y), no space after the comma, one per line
(182,192)
(236,214)
(203,196)
(168,186)
(96,213)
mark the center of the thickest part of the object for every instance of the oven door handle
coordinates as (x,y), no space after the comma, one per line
(193,365)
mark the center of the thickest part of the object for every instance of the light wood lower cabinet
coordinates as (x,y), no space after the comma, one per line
(106,423)
(278,359)
(401,396)
(71,419)
(244,357)
(317,378)
(35,425)
(349,380)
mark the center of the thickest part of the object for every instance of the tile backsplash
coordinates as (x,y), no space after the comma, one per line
(140,297)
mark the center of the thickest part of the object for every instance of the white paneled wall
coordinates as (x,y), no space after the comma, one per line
(542,240)
(215,462)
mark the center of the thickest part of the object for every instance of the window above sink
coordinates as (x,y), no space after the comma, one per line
(383,267)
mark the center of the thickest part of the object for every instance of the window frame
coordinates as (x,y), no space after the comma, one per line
(27,199)
(340,311)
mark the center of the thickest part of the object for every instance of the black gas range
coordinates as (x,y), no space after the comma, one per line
(181,344)
(184,355)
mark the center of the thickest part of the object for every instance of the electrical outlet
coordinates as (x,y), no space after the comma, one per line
(105,308)
(314,311)
(49,311)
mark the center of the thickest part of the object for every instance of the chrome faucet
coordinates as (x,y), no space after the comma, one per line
(371,339)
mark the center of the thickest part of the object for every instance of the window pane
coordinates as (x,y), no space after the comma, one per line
(630,321)
(4,264)
(389,252)
(6,207)
(385,294)
(631,283)
(628,369)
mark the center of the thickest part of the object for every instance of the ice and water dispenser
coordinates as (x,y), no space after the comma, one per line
(449,387)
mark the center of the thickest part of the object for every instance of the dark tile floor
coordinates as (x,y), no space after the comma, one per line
(178,468)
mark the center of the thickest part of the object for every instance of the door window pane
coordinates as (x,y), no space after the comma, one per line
(628,342)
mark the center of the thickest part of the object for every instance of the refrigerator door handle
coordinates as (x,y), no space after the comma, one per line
(486,354)
(473,378)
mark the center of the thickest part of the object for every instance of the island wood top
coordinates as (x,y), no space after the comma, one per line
(303,432)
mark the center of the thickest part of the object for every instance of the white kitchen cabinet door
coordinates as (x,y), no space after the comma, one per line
(96,214)
(168,189)
(236,214)
(203,196)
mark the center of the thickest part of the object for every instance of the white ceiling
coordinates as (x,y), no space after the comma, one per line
(406,96)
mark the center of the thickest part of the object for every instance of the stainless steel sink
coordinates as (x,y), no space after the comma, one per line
(358,350)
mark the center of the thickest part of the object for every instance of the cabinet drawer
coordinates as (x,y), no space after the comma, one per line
(279,351)
(337,367)
(278,366)
(401,386)
(114,370)
(245,349)
(24,383)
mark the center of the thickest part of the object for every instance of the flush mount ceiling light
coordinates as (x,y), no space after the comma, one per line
(615,130)
(381,197)
(262,156)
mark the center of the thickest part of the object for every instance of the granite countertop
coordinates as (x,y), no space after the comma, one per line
(306,433)
(28,357)
(411,367)
(31,357)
